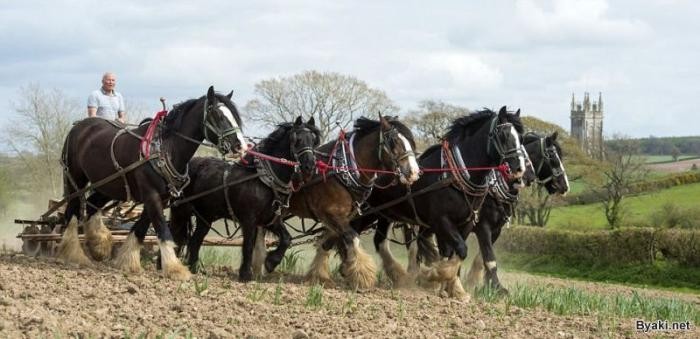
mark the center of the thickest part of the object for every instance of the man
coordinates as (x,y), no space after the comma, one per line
(106,102)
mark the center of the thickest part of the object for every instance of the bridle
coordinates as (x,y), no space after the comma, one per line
(221,133)
(297,153)
(496,145)
(384,146)
(548,155)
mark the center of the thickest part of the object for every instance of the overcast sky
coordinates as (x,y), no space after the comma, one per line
(643,55)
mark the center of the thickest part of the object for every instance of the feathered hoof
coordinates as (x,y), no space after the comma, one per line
(455,290)
(313,278)
(70,250)
(99,238)
(177,271)
(128,258)
(361,272)
(172,267)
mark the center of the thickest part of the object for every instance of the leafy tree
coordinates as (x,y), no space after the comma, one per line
(334,100)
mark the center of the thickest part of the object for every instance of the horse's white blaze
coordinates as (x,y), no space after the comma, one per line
(412,163)
(490,265)
(566,177)
(521,158)
(229,116)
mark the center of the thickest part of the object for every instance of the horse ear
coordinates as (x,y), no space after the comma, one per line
(311,121)
(298,121)
(517,113)
(210,94)
(554,136)
(383,122)
(503,114)
(230,95)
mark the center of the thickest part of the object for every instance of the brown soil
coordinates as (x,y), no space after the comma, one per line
(45,298)
(674,167)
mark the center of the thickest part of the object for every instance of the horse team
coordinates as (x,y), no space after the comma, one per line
(367,178)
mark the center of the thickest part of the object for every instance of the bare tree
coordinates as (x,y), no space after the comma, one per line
(432,118)
(37,135)
(328,97)
(534,206)
(624,168)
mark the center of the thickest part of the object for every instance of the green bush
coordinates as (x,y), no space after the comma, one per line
(672,216)
(682,246)
(637,245)
(625,245)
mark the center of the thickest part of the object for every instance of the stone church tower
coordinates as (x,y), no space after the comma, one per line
(587,124)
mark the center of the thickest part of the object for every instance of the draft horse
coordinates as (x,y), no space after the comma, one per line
(385,144)
(96,148)
(546,156)
(252,191)
(450,203)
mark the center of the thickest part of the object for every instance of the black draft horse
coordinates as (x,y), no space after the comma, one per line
(253,202)
(386,144)
(483,139)
(96,148)
(548,170)
(546,156)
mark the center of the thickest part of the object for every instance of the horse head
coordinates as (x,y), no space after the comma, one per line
(553,175)
(396,146)
(304,137)
(546,155)
(504,143)
(222,123)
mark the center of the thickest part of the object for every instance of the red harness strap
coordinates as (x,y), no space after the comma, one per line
(146,142)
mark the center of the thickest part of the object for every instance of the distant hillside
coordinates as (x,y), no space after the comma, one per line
(663,146)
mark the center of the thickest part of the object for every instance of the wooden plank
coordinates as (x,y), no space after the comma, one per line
(149,240)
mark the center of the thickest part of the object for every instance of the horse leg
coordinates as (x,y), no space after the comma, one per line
(318,271)
(483,235)
(284,240)
(393,269)
(128,258)
(446,272)
(73,205)
(259,252)
(250,233)
(172,268)
(195,243)
(69,250)
(357,266)
(98,237)
(180,225)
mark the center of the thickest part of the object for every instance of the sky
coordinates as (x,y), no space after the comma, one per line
(643,55)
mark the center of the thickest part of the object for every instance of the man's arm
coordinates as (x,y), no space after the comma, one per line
(92,105)
(121,115)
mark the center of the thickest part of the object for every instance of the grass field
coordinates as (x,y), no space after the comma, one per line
(638,209)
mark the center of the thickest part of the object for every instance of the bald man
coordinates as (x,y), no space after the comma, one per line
(106,102)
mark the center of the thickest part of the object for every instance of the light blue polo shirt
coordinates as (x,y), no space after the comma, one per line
(108,105)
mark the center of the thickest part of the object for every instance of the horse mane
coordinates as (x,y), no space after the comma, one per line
(273,139)
(364,126)
(463,124)
(173,121)
(532,137)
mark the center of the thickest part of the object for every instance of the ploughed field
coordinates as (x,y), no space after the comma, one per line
(42,297)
